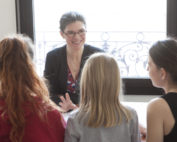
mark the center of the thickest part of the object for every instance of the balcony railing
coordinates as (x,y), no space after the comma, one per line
(129,48)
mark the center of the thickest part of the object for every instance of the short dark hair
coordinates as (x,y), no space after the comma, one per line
(69,18)
(164,54)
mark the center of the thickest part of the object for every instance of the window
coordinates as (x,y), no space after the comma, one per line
(131,44)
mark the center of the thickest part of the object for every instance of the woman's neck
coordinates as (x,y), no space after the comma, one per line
(170,88)
(74,54)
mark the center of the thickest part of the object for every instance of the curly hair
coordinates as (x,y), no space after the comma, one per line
(20,85)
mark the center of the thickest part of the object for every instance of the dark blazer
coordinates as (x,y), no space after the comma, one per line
(56,71)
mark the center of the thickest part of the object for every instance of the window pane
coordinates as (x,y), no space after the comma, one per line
(124,28)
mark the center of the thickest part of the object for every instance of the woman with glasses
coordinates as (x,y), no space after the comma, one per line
(64,64)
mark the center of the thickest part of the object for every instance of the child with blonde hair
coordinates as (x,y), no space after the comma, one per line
(101,117)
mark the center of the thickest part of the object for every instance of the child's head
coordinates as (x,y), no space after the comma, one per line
(100,88)
(15,58)
(164,55)
(100,81)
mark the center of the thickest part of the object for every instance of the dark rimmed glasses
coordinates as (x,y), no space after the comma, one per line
(71,34)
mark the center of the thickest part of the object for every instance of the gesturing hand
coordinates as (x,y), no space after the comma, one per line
(66,104)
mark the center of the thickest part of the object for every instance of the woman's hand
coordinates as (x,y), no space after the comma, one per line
(142,132)
(66,104)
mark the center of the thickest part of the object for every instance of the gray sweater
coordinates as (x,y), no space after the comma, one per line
(125,132)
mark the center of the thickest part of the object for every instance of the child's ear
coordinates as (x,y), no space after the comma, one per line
(163,73)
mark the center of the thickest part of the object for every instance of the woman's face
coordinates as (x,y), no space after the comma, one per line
(75,35)
(155,73)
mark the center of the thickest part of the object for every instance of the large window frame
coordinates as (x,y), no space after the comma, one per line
(132,86)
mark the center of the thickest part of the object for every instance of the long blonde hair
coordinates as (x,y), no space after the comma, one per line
(100,88)
(20,85)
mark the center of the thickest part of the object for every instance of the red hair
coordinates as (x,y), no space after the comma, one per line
(20,84)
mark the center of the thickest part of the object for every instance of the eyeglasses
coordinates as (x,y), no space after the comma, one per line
(71,34)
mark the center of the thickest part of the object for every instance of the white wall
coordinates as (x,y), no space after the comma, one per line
(7,17)
(138,98)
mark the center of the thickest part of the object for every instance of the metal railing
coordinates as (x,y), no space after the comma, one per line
(130,48)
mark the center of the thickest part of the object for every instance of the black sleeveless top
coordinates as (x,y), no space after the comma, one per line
(171,99)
